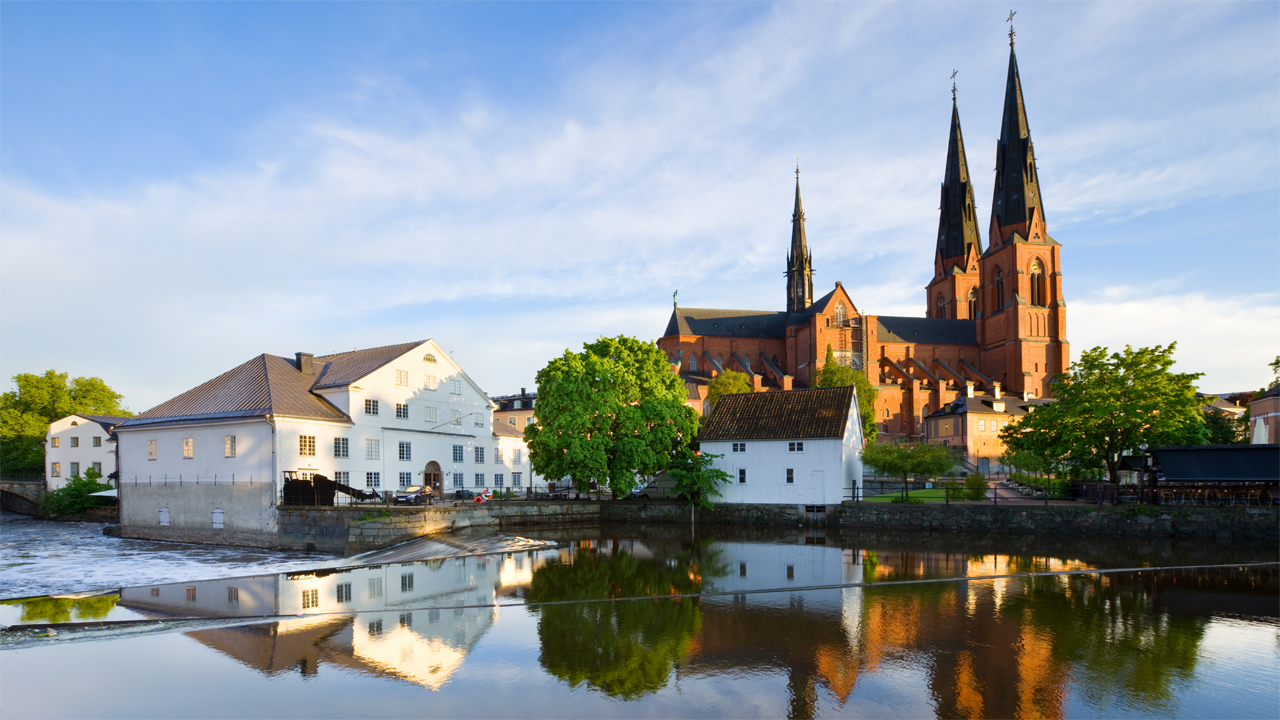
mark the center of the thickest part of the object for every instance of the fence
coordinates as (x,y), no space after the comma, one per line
(183,479)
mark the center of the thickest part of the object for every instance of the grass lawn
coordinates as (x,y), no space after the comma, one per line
(930,496)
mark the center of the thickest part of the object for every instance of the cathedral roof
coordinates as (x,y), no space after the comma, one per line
(926,331)
(727,323)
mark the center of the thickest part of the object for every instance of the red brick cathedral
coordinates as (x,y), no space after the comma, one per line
(995,319)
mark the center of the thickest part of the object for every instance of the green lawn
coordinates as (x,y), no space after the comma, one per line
(930,496)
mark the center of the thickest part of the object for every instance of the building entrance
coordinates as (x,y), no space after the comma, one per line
(431,478)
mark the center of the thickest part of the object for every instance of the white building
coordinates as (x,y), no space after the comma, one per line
(801,447)
(76,443)
(212,460)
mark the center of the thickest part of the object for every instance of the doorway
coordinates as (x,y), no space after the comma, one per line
(431,478)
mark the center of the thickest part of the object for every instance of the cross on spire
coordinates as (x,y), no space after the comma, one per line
(953,84)
(1010,21)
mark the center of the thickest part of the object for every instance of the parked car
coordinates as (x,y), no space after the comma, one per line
(412,495)
(463,494)
(662,487)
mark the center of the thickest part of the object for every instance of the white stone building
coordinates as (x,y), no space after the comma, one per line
(209,464)
(78,442)
(791,447)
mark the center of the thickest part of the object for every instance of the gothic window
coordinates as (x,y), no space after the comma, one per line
(999,290)
(942,307)
(693,363)
(720,360)
(840,314)
(1037,284)
(973,304)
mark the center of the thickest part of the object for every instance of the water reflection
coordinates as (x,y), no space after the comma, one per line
(63,608)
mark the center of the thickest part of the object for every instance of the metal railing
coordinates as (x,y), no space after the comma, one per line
(193,479)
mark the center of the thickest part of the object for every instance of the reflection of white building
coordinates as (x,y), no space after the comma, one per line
(76,443)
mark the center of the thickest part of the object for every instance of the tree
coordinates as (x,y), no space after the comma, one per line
(833,374)
(25,414)
(1222,428)
(1275,372)
(76,496)
(1107,404)
(697,478)
(904,461)
(612,412)
(729,382)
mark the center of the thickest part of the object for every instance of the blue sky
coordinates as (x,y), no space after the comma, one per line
(186,185)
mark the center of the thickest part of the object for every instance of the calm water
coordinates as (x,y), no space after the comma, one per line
(524,634)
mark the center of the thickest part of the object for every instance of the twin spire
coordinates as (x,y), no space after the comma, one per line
(799,261)
(957,223)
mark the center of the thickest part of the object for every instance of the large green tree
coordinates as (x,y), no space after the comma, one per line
(613,412)
(729,382)
(906,460)
(25,414)
(833,374)
(1108,404)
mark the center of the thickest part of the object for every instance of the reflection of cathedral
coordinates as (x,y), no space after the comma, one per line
(995,319)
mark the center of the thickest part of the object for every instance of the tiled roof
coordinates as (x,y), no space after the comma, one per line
(502,429)
(786,414)
(982,403)
(929,331)
(727,323)
(347,367)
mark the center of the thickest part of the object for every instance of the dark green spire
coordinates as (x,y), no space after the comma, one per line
(1017,188)
(957,226)
(799,261)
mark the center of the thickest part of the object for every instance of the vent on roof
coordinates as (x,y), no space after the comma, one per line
(304,362)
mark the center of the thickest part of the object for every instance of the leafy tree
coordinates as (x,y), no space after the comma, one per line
(25,414)
(76,496)
(697,478)
(1275,372)
(1108,404)
(1222,428)
(904,461)
(833,374)
(729,382)
(612,412)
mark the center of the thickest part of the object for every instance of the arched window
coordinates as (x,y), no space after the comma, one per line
(999,290)
(973,304)
(693,363)
(429,358)
(1037,284)
(840,313)
(942,307)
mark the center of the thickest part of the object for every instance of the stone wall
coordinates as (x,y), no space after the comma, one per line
(22,496)
(722,513)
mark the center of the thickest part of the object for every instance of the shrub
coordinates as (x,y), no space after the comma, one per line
(955,490)
(907,500)
(75,497)
(975,486)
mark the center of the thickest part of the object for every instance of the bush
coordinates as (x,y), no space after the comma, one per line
(75,497)
(907,500)
(975,486)
(955,491)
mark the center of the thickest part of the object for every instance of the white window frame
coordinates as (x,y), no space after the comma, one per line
(402,378)
(406,450)
(455,386)
(497,455)
(479,453)
(373,480)
(229,446)
(516,479)
(370,407)
(406,479)
(517,456)
(459,453)
(796,446)
(151,449)
(188,448)
(341,448)
(479,478)
(342,476)
(742,476)
(791,476)
(431,382)
(307,445)
(431,414)
(458,479)
(402,411)
(372,449)
(455,416)
(739,447)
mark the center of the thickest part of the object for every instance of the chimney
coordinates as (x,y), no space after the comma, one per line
(995,392)
(968,388)
(522,392)
(304,362)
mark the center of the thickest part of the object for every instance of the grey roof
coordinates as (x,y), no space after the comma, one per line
(1219,463)
(502,429)
(929,331)
(106,421)
(727,323)
(984,404)
(272,385)
(780,415)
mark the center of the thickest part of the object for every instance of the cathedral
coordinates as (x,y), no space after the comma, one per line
(993,335)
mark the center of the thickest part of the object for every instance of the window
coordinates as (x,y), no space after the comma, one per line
(343,477)
(515,479)
(477,420)
(56,469)
(841,313)
(1037,284)
(693,363)
(455,416)
(372,449)
(791,476)
(56,441)
(375,628)
(982,425)
(307,445)
(973,304)
(370,407)
(344,592)
(406,582)
(431,381)
(498,480)
(97,442)
(75,442)
(941,312)
(742,476)
(340,448)
(742,569)
(795,446)
(510,420)
(97,467)
(406,620)
(429,358)
(233,596)
(455,386)
(479,455)
(431,414)
(457,453)
(515,405)
(791,572)
(373,480)
(229,446)
(406,479)
(516,456)
(406,451)
(999,304)
(479,479)
(457,480)
(375,588)
(528,420)
(739,447)
(219,519)
(310,599)
(75,469)
(402,411)
(497,455)
(191,593)
(402,377)
(188,448)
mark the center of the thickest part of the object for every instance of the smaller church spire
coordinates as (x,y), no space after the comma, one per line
(957,219)
(799,259)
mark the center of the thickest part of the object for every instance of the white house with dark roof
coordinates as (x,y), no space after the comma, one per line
(791,447)
(76,443)
(208,465)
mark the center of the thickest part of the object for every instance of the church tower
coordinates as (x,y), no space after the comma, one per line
(1022,314)
(799,261)
(953,293)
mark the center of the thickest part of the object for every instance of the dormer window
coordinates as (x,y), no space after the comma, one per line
(429,358)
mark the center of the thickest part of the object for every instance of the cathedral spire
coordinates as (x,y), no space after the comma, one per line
(799,260)
(957,221)
(1016,204)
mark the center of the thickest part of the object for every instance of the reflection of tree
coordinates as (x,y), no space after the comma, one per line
(1120,645)
(58,610)
(625,649)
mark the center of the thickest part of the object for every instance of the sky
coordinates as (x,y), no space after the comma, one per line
(184,186)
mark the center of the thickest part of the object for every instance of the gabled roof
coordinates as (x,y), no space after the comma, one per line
(928,331)
(502,429)
(782,415)
(106,421)
(348,367)
(985,404)
(727,323)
